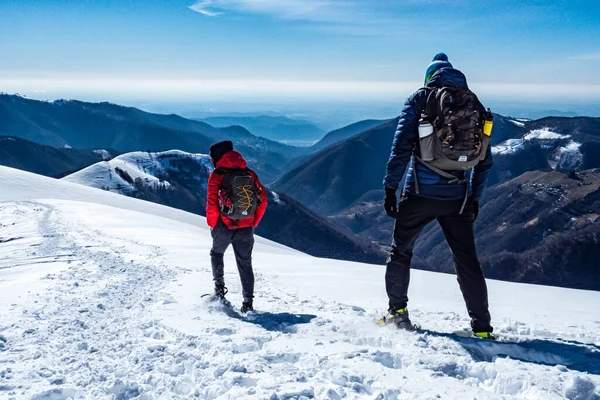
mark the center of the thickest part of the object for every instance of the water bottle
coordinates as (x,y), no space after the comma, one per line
(426,138)
(488,123)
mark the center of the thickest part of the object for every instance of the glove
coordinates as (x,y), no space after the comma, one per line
(475,209)
(390,202)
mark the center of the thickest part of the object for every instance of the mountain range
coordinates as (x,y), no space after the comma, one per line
(282,129)
(344,182)
(326,200)
(339,175)
(178,179)
(71,123)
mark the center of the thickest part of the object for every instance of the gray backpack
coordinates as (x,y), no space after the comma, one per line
(451,131)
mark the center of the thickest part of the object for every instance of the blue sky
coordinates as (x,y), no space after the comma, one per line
(270,50)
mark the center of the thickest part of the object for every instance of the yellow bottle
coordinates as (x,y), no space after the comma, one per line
(488,123)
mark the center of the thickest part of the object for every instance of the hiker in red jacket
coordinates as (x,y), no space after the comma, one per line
(236,203)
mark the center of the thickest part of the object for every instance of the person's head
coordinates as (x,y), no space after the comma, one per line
(440,60)
(219,149)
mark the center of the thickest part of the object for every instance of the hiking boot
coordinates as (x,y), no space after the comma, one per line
(482,329)
(485,335)
(220,292)
(400,318)
(246,307)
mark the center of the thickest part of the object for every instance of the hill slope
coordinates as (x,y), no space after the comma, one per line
(344,133)
(179,180)
(542,227)
(114,293)
(47,160)
(335,177)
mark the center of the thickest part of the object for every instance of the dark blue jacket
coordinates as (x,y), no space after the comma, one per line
(401,164)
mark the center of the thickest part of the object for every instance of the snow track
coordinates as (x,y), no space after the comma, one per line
(86,323)
(104,303)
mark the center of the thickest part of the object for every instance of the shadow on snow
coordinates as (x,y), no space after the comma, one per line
(573,355)
(274,322)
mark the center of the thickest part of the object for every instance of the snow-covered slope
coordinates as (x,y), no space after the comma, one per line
(120,174)
(561,154)
(101,299)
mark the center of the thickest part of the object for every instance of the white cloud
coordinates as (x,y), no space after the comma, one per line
(204,9)
(346,17)
(312,10)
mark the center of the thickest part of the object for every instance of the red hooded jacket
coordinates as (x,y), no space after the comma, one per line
(232,159)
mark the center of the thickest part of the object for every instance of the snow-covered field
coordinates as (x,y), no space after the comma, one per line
(101,299)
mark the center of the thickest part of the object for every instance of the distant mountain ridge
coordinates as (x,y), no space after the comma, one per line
(47,160)
(178,179)
(278,128)
(337,176)
(105,125)
(344,182)
(344,133)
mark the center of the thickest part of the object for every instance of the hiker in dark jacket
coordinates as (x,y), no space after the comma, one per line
(237,232)
(428,196)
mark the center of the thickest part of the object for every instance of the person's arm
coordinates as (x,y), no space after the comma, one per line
(212,201)
(481,173)
(262,207)
(402,147)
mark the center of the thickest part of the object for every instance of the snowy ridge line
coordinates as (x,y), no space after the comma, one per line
(544,134)
(120,173)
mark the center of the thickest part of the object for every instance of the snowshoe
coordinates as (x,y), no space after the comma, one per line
(219,293)
(400,319)
(246,307)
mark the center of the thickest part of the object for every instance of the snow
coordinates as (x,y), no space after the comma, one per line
(277,198)
(547,139)
(544,134)
(138,165)
(104,154)
(510,146)
(517,122)
(101,299)
(567,157)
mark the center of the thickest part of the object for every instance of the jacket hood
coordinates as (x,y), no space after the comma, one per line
(231,159)
(448,77)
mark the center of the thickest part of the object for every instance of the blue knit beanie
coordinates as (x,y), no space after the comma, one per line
(440,60)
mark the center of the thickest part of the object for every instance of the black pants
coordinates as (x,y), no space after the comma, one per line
(242,241)
(416,212)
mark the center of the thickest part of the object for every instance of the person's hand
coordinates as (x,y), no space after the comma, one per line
(390,202)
